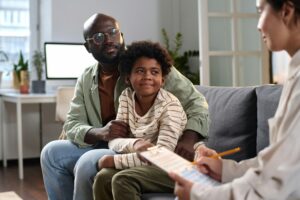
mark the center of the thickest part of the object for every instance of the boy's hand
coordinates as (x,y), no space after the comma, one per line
(106,162)
(142,145)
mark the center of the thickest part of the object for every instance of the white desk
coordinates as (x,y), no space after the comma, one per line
(19,99)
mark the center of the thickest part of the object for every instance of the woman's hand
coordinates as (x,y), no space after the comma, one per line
(182,187)
(202,150)
(207,165)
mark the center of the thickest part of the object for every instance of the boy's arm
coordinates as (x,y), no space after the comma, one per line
(171,126)
(123,145)
(172,122)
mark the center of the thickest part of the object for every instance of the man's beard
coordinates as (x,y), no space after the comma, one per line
(109,60)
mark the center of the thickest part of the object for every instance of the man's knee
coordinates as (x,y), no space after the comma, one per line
(87,163)
(48,152)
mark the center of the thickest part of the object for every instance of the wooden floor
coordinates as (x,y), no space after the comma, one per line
(31,187)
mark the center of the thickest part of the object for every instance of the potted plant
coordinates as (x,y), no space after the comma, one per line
(38,86)
(181,60)
(21,75)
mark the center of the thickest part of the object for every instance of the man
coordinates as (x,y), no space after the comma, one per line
(69,166)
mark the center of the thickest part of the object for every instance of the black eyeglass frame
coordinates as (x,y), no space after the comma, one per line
(112,34)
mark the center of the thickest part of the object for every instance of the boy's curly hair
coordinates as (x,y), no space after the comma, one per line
(145,49)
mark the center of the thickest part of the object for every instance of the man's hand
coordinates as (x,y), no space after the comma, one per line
(182,187)
(116,129)
(185,145)
(113,129)
(106,162)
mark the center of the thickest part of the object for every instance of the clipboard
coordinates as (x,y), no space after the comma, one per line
(171,162)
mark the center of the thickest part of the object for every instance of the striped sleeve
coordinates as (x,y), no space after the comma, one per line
(172,123)
(122,114)
(123,161)
(123,145)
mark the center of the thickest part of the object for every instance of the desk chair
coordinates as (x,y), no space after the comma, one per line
(63,100)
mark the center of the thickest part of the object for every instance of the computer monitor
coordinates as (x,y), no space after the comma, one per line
(66,60)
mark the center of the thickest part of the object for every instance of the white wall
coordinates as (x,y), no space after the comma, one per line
(139,19)
(62,21)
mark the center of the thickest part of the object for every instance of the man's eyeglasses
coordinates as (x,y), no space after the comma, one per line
(98,38)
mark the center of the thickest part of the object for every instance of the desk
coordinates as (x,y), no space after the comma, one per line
(19,99)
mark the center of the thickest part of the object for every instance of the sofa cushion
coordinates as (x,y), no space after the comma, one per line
(267,102)
(233,119)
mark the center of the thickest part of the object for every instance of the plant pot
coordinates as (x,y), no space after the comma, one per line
(38,86)
(16,82)
(24,82)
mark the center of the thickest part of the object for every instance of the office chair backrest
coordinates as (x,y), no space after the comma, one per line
(63,100)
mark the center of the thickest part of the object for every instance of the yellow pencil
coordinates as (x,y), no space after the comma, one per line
(224,153)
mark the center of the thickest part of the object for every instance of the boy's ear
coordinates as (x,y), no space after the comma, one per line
(127,80)
(163,81)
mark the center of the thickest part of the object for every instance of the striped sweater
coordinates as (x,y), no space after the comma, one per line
(162,125)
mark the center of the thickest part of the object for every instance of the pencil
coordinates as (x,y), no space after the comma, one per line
(224,153)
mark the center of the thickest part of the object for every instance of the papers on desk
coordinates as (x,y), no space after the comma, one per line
(171,162)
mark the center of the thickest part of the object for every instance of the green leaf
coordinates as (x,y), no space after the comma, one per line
(180,61)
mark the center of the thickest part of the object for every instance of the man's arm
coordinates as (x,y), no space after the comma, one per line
(196,109)
(185,145)
(77,124)
(83,125)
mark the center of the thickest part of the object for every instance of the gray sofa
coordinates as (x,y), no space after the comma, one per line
(238,118)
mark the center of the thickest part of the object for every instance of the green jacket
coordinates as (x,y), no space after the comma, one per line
(85,108)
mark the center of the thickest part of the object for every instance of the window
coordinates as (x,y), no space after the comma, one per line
(231,49)
(14,33)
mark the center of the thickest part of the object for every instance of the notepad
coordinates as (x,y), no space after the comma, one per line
(171,162)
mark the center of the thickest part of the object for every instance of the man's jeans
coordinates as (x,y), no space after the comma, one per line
(69,171)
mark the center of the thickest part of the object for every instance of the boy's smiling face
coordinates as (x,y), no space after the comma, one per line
(146,77)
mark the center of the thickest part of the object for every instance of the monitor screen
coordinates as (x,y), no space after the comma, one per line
(66,60)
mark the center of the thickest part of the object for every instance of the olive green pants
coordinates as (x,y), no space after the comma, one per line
(129,184)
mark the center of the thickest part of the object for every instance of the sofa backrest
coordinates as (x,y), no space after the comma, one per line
(239,117)
(267,103)
(233,119)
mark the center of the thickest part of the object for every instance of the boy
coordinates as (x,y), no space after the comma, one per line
(155,117)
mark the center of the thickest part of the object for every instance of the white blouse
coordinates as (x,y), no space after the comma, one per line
(275,172)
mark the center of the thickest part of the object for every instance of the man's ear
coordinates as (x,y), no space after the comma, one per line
(86,45)
(288,13)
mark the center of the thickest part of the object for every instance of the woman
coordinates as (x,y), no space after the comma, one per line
(275,172)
